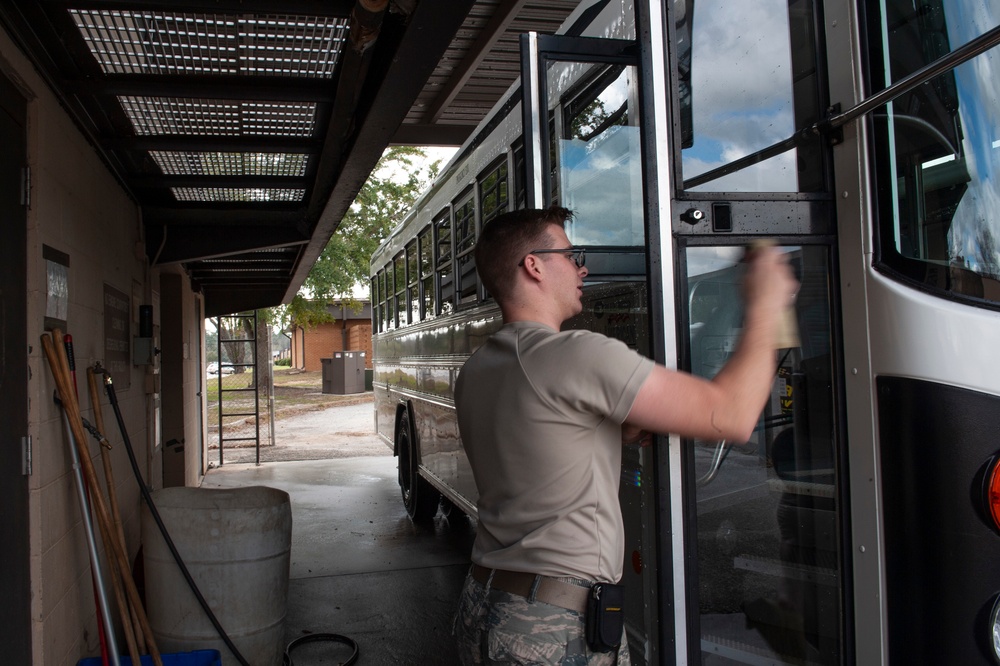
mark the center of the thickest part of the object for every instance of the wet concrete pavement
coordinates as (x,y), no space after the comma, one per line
(344,431)
(359,567)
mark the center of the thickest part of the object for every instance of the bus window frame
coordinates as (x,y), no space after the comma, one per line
(502,207)
(373,290)
(398,288)
(467,196)
(491,169)
(425,241)
(536,130)
(383,310)
(412,281)
(443,216)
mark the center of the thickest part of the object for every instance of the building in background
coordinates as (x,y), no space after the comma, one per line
(350,330)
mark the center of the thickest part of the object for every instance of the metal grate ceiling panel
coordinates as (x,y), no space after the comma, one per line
(238,194)
(153,42)
(177,163)
(151,116)
(244,126)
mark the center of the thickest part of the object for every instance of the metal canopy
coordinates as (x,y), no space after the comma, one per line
(245,128)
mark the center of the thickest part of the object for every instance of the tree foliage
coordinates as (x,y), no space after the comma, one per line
(400,177)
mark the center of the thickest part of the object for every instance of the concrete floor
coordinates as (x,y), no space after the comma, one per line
(359,567)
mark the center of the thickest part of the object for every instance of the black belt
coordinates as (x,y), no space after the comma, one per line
(548,590)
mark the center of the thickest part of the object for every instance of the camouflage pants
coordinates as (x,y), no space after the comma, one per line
(494,627)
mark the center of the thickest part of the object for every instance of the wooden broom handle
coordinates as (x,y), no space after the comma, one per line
(55,352)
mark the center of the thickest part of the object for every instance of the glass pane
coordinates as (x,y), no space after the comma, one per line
(374,299)
(400,271)
(443,227)
(411,264)
(597,154)
(426,253)
(399,284)
(938,149)
(465,240)
(747,80)
(493,193)
(767,509)
(390,312)
(465,226)
(427,289)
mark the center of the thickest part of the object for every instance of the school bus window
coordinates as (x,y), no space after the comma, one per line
(493,197)
(412,297)
(446,280)
(426,249)
(390,311)
(399,270)
(373,296)
(465,241)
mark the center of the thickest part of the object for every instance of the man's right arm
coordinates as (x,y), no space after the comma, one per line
(729,405)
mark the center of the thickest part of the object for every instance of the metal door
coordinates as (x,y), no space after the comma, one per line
(583,124)
(763,535)
(14,534)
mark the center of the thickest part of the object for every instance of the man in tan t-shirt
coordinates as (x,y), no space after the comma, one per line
(543,415)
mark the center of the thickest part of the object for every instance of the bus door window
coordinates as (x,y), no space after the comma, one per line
(748,78)
(426,251)
(412,295)
(596,152)
(465,241)
(767,510)
(446,280)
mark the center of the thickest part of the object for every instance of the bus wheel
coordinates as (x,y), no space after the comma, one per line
(419,497)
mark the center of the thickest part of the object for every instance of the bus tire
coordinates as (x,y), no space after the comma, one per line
(419,497)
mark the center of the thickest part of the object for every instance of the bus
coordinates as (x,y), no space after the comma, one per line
(860,524)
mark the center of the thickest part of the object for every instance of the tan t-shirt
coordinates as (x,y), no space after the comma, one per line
(540,415)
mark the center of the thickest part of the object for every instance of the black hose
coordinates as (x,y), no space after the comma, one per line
(287,660)
(315,638)
(109,387)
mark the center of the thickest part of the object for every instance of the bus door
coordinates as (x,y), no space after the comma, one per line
(583,127)
(761,575)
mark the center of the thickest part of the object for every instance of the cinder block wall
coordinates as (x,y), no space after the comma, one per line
(78,208)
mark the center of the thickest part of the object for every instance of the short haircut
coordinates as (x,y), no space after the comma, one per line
(507,239)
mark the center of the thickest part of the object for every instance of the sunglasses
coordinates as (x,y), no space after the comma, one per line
(577,255)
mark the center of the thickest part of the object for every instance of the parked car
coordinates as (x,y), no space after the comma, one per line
(212,368)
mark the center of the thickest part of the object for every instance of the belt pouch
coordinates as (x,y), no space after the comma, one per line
(605,617)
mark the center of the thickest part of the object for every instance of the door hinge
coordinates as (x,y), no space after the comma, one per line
(26,187)
(26,455)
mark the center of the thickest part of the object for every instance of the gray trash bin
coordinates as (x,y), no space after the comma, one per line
(344,373)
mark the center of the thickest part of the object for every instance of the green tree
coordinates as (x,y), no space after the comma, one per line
(402,174)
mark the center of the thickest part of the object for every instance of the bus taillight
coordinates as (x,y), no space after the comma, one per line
(993,491)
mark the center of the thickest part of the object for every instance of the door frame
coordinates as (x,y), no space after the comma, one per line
(15,532)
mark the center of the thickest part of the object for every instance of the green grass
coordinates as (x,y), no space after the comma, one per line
(295,392)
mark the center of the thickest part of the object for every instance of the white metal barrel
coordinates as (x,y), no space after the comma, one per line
(236,544)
